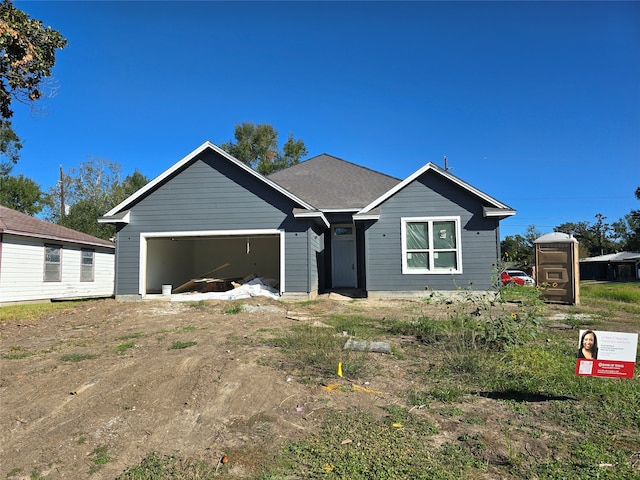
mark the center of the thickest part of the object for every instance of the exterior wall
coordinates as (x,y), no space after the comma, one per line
(316,259)
(22,275)
(211,194)
(431,196)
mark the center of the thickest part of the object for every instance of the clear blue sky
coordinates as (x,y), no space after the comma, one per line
(536,104)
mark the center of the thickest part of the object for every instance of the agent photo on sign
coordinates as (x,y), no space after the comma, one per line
(588,345)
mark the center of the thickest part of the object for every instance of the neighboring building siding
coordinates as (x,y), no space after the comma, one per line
(431,195)
(22,276)
(211,194)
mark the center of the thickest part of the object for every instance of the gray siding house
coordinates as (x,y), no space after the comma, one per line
(323,224)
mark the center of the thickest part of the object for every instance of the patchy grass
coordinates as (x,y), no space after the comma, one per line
(317,351)
(182,345)
(156,466)
(16,352)
(77,357)
(490,392)
(234,309)
(33,311)
(99,457)
(123,347)
(621,296)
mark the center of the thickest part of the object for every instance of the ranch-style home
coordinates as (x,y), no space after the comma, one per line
(321,225)
(44,261)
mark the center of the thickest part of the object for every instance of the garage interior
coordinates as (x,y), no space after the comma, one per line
(177,260)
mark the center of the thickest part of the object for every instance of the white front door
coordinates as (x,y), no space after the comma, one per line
(343,253)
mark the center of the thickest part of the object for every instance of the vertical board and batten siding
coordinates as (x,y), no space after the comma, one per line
(22,276)
(211,194)
(316,247)
(431,196)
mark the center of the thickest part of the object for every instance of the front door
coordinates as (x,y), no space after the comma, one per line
(343,254)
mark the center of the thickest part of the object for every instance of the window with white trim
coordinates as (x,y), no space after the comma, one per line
(431,245)
(52,263)
(87,266)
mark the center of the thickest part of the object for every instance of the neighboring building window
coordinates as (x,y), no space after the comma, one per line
(431,245)
(52,263)
(87,266)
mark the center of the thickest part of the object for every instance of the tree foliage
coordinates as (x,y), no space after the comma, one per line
(90,190)
(20,193)
(27,56)
(627,229)
(518,250)
(257,146)
(594,239)
(10,144)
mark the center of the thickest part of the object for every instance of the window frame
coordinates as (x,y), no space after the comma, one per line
(93,265)
(430,250)
(47,263)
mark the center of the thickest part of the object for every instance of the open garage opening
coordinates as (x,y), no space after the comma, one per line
(211,262)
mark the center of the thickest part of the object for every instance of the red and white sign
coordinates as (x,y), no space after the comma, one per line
(606,354)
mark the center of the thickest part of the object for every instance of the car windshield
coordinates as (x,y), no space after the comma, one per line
(516,273)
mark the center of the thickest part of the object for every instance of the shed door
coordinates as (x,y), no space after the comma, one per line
(343,254)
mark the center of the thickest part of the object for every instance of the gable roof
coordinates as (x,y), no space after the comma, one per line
(17,223)
(330,183)
(111,215)
(492,207)
(614,257)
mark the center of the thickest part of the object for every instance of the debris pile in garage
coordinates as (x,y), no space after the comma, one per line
(206,287)
(256,287)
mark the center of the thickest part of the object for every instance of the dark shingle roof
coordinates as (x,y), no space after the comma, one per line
(327,182)
(17,223)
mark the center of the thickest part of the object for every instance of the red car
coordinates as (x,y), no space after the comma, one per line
(509,280)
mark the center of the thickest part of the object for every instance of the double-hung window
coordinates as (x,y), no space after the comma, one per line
(431,245)
(52,263)
(87,266)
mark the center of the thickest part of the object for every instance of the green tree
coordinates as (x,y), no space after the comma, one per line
(594,240)
(20,193)
(10,145)
(257,146)
(90,190)
(27,56)
(518,250)
(627,229)
(515,250)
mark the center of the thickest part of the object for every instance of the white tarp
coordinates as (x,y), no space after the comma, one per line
(253,288)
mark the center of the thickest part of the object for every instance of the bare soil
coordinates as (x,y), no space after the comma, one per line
(229,394)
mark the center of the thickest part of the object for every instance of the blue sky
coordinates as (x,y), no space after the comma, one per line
(534,103)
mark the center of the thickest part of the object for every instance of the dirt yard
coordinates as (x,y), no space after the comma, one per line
(79,392)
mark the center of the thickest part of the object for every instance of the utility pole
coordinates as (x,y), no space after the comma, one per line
(61,192)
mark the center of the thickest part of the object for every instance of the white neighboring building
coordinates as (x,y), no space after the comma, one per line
(43,261)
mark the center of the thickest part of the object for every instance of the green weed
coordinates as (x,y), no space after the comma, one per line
(122,348)
(181,345)
(155,466)
(77,357)
(234,309)
(319,350)
(17,352)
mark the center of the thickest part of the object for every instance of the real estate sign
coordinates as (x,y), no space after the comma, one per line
(606,354)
